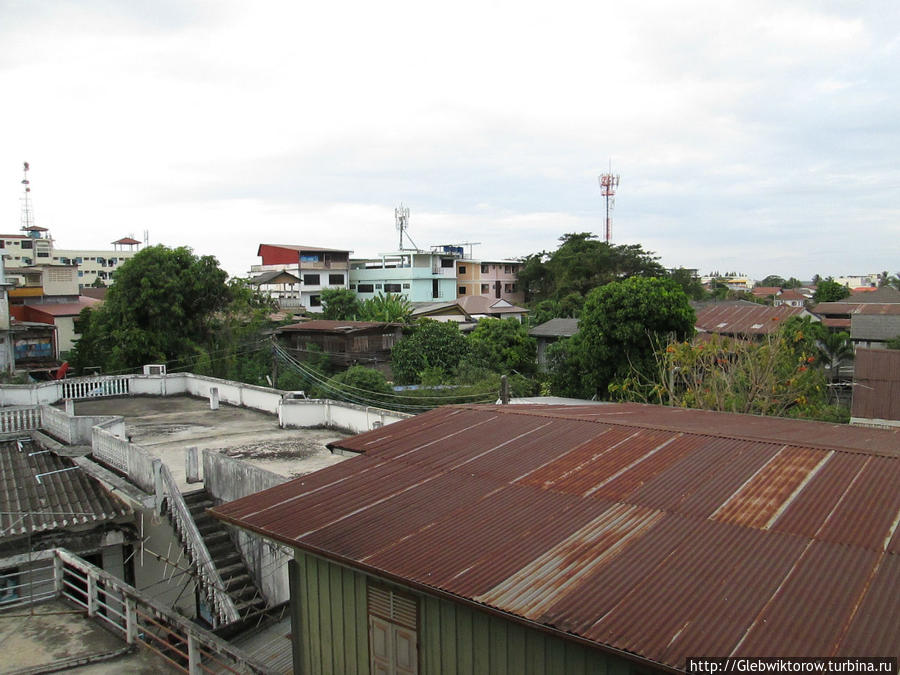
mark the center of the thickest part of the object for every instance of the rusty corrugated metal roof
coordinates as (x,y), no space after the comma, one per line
(876,385)
(744,319)
(658,532)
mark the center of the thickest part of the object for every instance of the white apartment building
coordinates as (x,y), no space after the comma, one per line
(36,247)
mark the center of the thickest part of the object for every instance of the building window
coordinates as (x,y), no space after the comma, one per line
(462,290)
(507,288)
(365,288)
(80,273)
(435,289)
(485,268)
(393,623)
(446,262)
(392,288)
(27,243)
(310,279)
(406,286)
(352,287)
(462,269)
(507,269)
(315,301)
(378,286)
(43,254)
(485,288)
(336,279)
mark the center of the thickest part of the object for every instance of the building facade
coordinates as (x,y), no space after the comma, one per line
(37,247)
(418,276)
(316,268)
(495,279)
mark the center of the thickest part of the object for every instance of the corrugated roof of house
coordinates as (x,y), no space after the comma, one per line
(655,532)
(876,384)
(328,326)
(63,498)
(729,319)
(555,328)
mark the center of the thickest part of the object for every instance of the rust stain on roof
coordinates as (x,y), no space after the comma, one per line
(655,531)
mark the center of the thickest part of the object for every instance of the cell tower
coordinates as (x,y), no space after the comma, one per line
(608,184)
(401,218)
(27,212)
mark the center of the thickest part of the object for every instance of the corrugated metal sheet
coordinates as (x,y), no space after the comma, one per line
(65,497)
(730,319)
(660,532)
(876,390)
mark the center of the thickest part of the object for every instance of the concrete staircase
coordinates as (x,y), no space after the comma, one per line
(238,583)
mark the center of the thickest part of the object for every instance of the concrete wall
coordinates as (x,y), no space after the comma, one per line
(228,479)
(334,415)
(76,430)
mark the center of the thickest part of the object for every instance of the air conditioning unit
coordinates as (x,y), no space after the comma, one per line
(155,369)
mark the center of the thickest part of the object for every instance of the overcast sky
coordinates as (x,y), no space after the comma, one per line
(761,137)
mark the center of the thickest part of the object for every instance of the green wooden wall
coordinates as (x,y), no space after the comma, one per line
(453,638)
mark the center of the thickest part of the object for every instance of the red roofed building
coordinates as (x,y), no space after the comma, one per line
(316,268)
(743,319)
(347,343)
(607,538)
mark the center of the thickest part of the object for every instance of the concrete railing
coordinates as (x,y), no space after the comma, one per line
(227,479)
(78,430)
(131,615)
(20,419)
(335,415)
(132,460)
(95,387)
(211,583)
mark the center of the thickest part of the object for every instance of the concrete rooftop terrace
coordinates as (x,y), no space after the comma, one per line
(167,426)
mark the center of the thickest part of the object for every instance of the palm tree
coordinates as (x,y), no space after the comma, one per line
(835,349)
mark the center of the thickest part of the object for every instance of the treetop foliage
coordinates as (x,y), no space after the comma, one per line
(582,263)
(829,290)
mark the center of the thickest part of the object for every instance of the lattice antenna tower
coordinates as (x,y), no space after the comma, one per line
(401,218)
(27,211)
(608,184)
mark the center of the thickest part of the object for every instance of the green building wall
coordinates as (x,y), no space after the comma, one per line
(329,606)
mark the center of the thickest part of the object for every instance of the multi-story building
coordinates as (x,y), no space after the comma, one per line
(36,247)
(496,279)
(315,268)
(418,276)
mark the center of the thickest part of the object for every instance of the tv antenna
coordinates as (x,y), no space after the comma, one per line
(401,218)
(608,184)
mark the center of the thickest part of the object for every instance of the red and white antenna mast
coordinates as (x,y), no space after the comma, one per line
(608,184)
(27,212)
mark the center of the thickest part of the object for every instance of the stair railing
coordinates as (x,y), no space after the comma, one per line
(211,583)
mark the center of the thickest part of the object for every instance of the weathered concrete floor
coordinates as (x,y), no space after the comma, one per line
(167,426)
(41,639)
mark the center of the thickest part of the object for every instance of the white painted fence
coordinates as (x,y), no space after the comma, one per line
(13,420)
(95,387)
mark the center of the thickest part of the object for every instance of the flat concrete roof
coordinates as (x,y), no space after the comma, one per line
(167,425)
(55,632)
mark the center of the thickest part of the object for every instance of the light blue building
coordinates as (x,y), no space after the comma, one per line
(416,275)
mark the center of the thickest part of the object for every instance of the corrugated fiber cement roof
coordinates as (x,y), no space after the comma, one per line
(658,532)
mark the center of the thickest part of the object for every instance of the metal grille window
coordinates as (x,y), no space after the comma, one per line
(393,648)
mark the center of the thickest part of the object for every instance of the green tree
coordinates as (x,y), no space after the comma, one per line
(773,280)
(776,376)
(391,308)
(617,332)
(689,283)
(340,304)
(580,264)
(161,307)
(830,291)
(893,343)
(835,349)
(360,384)
(503,346)
(430,345)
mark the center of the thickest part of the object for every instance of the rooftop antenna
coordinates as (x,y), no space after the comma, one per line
(608,184)
(401,218)
(27,212)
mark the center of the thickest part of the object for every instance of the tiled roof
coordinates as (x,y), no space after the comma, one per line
(478,304)
(657,532)
(63,497)
(267,277)
(65,308)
